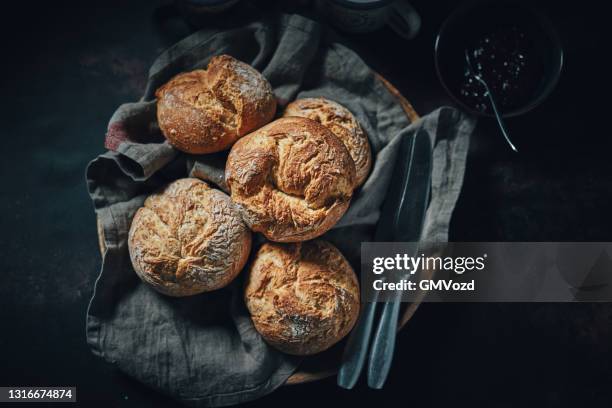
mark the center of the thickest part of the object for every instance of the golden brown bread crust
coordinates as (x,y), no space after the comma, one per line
(292,179)
(343,124)
(206,111)
(188,239)
(303,297)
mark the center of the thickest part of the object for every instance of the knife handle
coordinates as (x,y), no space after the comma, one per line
(357,346)
(381,355)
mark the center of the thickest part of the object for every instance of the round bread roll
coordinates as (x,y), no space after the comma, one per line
(341,121)
(304,297)
(188,239)
(206,111)
(292,179)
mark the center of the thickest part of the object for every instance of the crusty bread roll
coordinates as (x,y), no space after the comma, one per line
(206,111)
(303,297)
(187,239)
(292,179)
(341,121)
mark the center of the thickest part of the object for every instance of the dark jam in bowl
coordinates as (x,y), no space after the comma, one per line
(511,45)
(508,62)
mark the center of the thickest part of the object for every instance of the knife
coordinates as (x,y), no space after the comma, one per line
(407,227)
(357,346)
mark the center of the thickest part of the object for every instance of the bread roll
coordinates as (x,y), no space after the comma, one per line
(206,111)
(339,120)
(292,179)
(188,239)
(303,297)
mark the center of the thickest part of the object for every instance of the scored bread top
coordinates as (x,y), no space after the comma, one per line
(303,297)
(343,124)
(207,110)
(187,239)
(292,179)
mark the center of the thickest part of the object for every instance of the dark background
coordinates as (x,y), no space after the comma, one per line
(67,66)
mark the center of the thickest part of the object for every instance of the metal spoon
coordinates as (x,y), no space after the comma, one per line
(500,122)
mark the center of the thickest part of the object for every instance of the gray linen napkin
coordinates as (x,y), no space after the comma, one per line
(203,350)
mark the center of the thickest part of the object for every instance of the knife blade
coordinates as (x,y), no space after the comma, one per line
(407,226)
(357,346)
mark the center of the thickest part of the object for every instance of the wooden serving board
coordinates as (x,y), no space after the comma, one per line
(326,364)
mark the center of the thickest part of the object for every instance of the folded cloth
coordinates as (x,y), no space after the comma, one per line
(204,350)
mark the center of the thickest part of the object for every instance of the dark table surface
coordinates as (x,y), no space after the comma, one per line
(66,67)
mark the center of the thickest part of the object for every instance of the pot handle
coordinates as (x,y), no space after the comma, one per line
(404,19)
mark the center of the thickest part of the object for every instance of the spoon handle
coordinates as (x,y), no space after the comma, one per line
(498,117)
